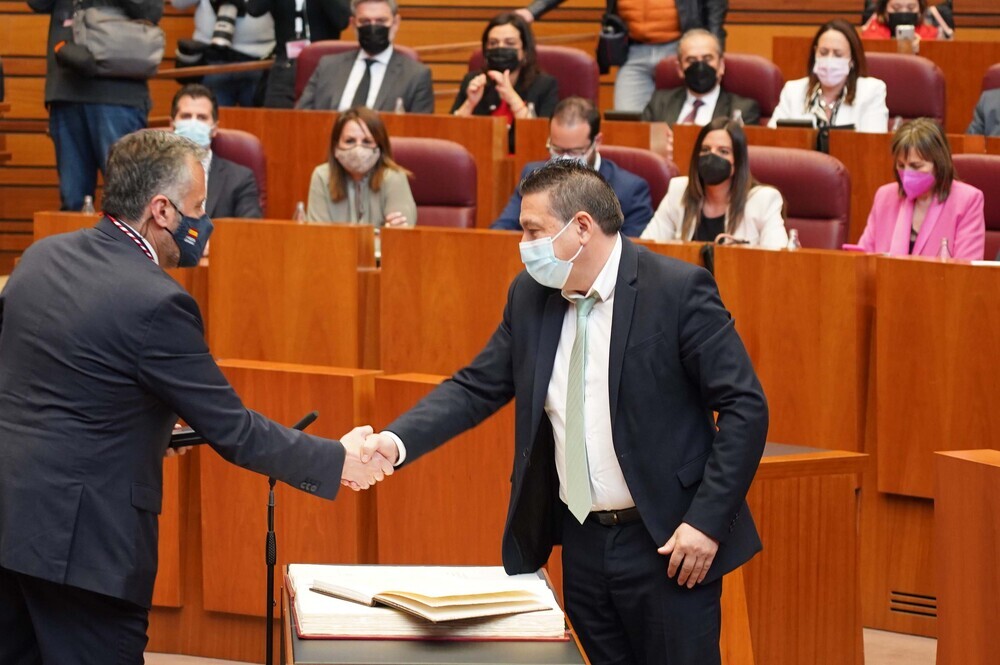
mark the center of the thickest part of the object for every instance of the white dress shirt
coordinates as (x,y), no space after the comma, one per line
(358,70)
(705,111)
(607,483)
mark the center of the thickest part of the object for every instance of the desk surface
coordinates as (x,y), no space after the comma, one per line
(351,652)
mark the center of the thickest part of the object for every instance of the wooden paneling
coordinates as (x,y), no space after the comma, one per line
(938,332)
(288,292)
(167,591)
(967,529)
(308,528)
(816,386)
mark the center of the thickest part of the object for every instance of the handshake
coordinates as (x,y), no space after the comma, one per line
(369,458)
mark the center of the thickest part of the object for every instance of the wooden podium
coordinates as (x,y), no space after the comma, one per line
(967,544)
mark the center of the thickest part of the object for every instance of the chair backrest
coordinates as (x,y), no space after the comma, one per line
(443,180)
(646,164)
(914,85)
(983,173)
(746,75)
(991,79)
(575,70)
(307,61)
(245,149)
(816,188)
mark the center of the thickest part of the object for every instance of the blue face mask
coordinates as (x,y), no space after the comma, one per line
(194,130)
(540,260)
(191,237)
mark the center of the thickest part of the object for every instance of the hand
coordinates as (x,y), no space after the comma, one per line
(177,452)
(395,219)
(506,90)
(696,550)
(526,15)
(474,91)
(380,444)
(358,474)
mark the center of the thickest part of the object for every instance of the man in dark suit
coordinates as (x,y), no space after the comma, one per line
(701,65)
(617,358)
(377,75)
(232,187)
(101,351)
(575,133)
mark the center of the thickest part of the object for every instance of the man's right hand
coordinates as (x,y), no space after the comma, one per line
(526,15)
(380,445)
(358,473)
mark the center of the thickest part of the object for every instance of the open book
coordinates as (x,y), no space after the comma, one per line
(427,601)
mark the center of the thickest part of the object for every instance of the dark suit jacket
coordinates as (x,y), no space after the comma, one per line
(404,78)
(100,352)
(232,191)
(675,357)
(665,106)
(543,93)
(631,190)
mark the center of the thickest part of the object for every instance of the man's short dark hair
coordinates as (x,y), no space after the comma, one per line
(578,109)
(573,188)
(195,91)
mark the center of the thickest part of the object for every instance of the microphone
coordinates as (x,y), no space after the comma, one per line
(186,436)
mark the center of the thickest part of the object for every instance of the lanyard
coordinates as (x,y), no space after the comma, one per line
(131,234)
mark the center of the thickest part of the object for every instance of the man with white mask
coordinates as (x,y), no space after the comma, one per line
(616,358)
(232,188)
(575,134)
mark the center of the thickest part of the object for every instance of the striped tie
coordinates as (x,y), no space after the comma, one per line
(577,468)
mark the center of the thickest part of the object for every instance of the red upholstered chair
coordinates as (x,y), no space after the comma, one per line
(991,79)
(746,75)
(816,188)
(310,57)
(646,164)
(575,70)
(443,180)
(914,85)
(246,150)
(983,173)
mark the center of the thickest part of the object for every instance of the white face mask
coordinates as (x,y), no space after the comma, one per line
(194,130)
(540,260)
(832,71)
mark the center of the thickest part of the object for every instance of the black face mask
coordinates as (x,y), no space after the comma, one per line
(700,77)
(374,38)
(713,169)
(191,237)
(501,59)
(902,18)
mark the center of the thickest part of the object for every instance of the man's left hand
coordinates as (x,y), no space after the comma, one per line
(691,551)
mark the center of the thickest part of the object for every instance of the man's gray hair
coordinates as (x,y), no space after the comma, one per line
(144,164)
(699,32)
(573,188)
(393,5)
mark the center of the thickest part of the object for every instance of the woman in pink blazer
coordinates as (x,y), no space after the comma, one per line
(925,204)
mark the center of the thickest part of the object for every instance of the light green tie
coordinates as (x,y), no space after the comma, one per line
(577,468)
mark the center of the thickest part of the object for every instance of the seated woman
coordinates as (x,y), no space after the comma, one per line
(510,79)
(838,91)
(361,184)
(720,196)
(926,204)
(892,13)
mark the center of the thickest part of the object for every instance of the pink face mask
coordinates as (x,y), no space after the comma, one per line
(915,183)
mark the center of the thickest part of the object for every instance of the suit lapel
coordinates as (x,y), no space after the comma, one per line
(621,319)
(338,81)
(722,105)
(216,174)
(393,73)
(548,342)
(675,104)
(927,228)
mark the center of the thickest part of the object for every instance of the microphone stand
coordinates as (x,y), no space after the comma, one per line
(271,552)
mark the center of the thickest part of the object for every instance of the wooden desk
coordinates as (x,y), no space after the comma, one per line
(967,534)
(287,292)
(805,318)
(223,511)
(295,142)
(963,64)
(801,594)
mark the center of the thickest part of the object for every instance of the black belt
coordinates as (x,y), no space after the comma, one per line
(615,517)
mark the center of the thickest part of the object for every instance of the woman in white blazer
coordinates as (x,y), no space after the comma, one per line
(720,196)
(838,90)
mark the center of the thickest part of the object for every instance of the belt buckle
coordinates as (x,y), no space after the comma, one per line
(614,518)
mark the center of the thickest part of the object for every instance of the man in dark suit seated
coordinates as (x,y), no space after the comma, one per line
(376,75)
(575,133)
(232,187)
(986,116)
(700,63)
(101,352)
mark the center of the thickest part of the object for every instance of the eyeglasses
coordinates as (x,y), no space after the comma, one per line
(568,152)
